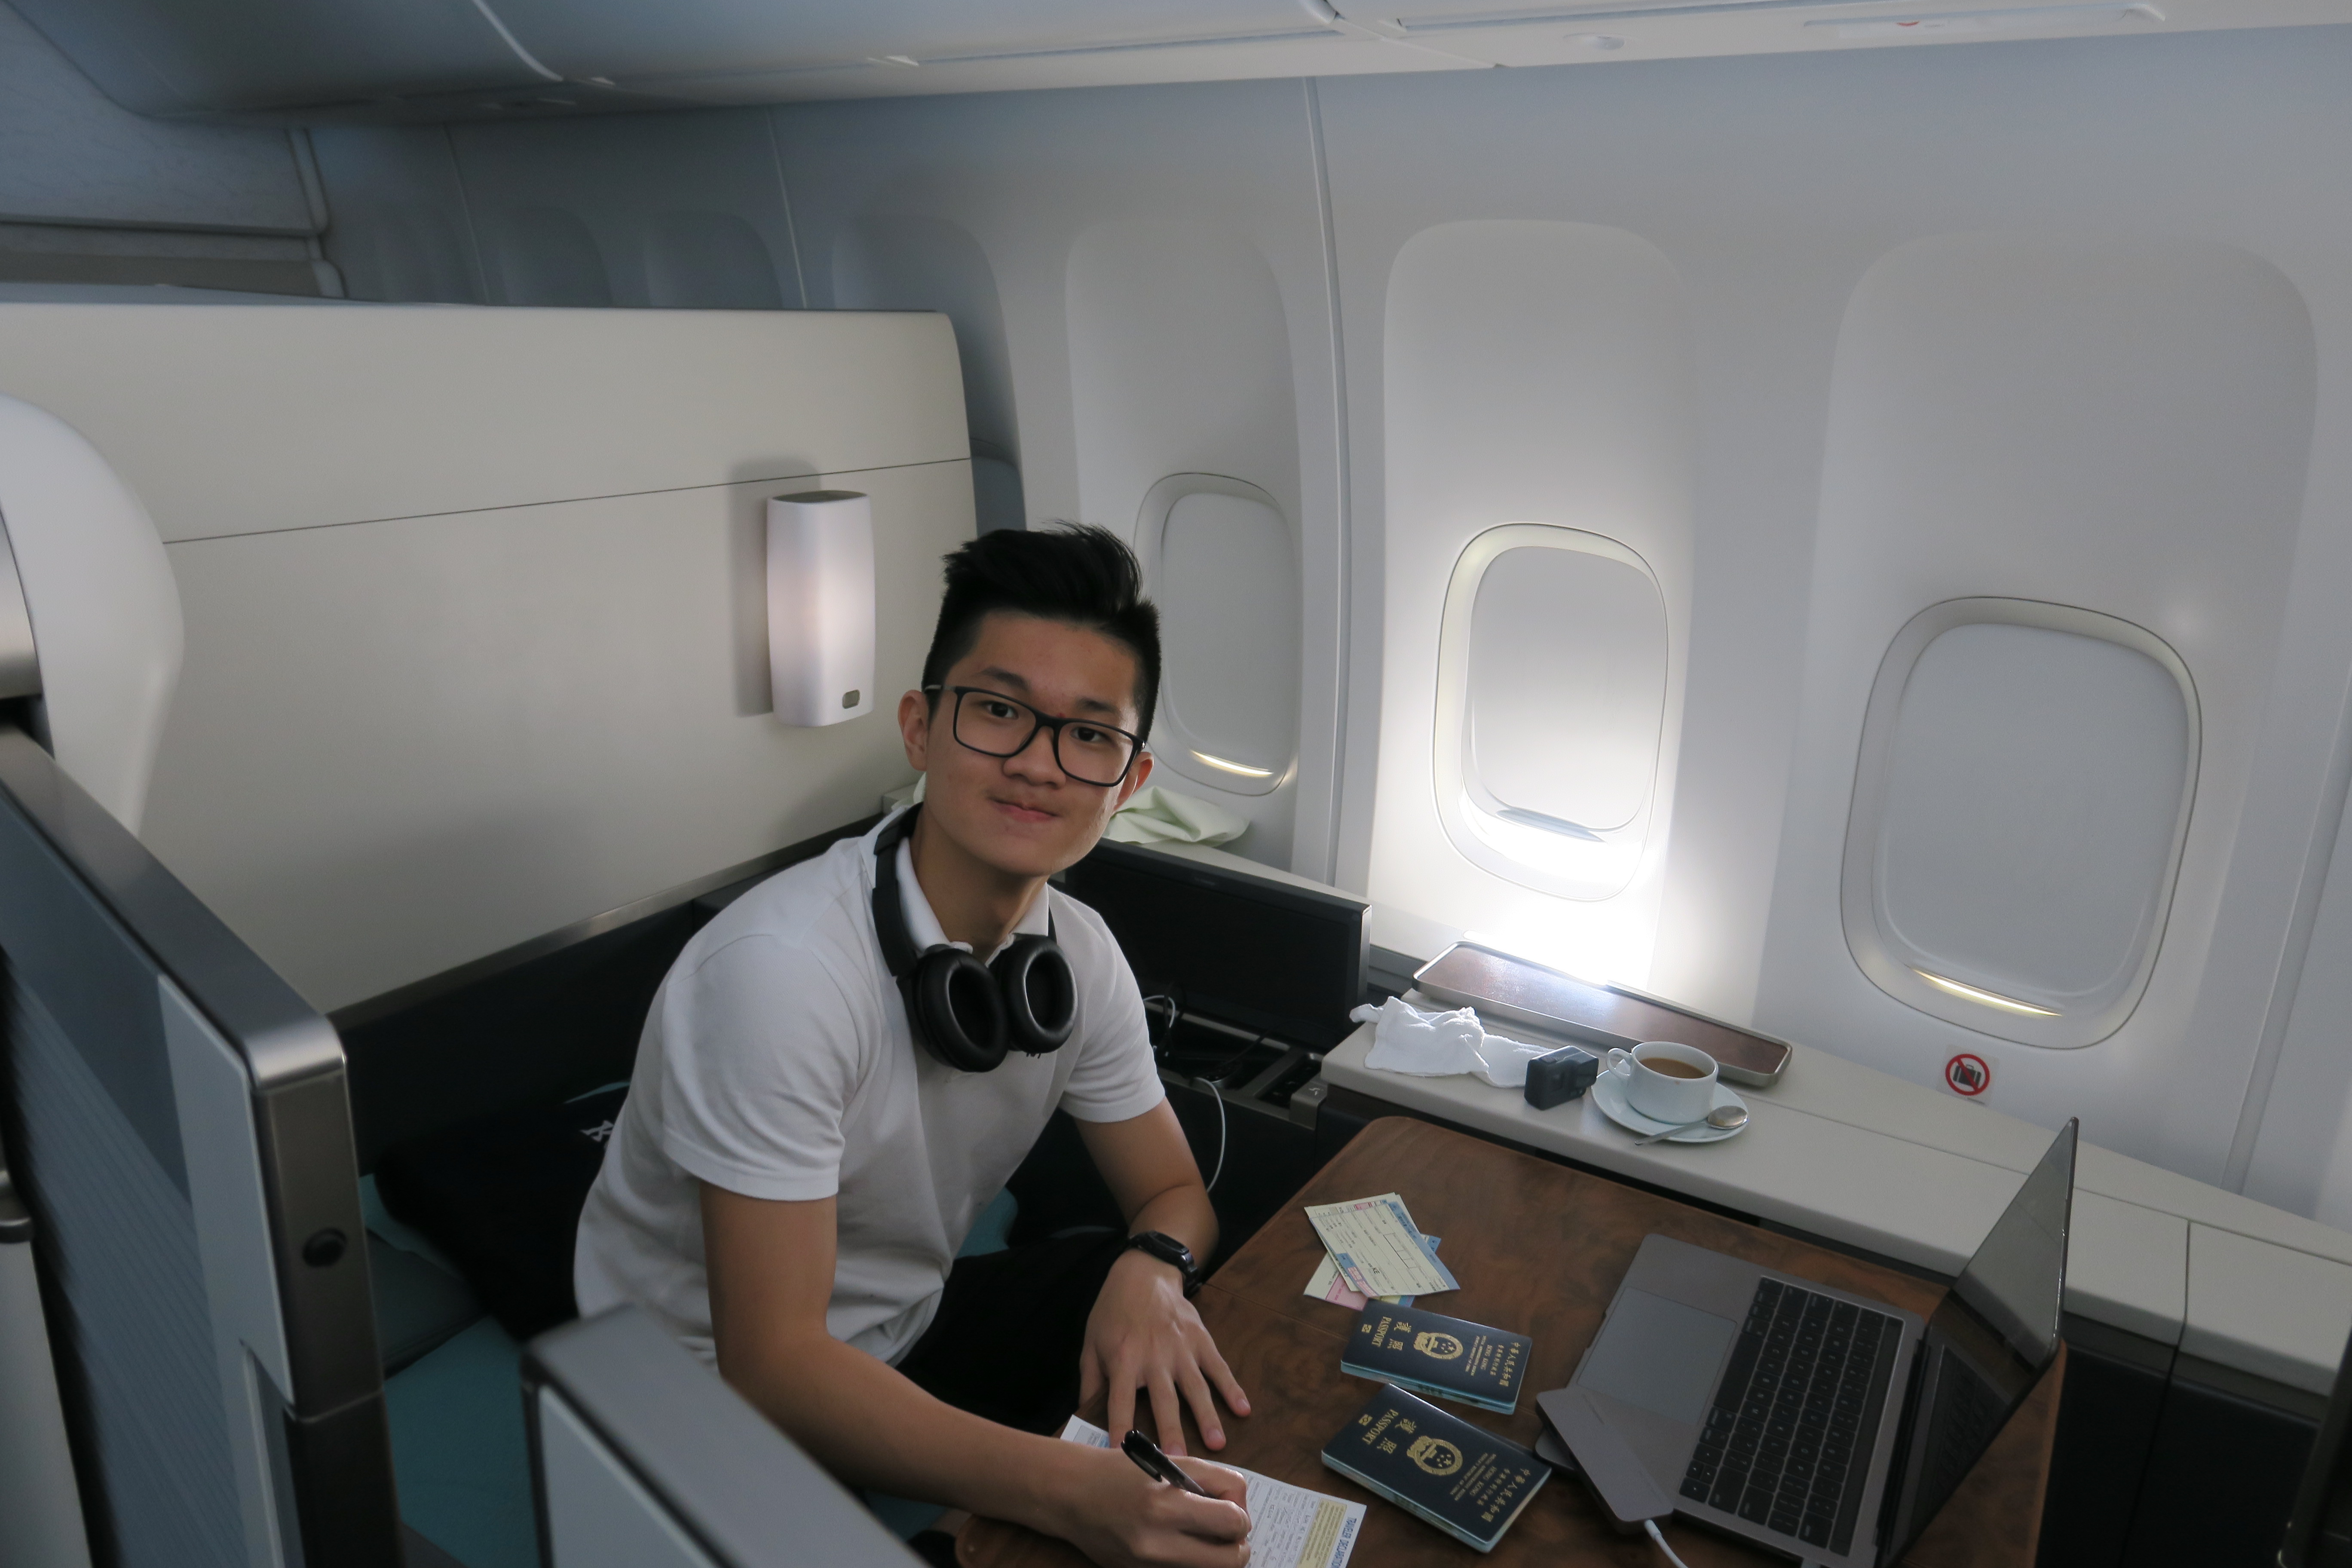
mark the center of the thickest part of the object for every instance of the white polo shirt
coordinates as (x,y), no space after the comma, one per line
(777,1063)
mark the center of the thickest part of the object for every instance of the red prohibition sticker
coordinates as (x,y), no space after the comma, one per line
(1968,1074)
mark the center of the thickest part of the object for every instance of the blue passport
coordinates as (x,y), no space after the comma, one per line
(1432,1353)
(1464,1480)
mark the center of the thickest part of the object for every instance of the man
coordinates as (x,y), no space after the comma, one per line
(795,1169)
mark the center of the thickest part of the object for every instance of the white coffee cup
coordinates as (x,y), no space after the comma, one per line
(1682,1091)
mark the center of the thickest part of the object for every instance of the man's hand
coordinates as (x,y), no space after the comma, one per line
(1143,1334)
(1122,1517)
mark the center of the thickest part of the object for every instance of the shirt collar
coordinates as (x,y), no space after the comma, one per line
(923,927)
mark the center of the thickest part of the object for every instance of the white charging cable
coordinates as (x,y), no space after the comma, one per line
(1216,1086)
(1657,1535)
(1217,1092)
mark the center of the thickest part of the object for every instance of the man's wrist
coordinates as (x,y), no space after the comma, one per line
(1059,1488)
(1169,1252)
(1151,1267)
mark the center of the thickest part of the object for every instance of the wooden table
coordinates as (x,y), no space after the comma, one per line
(1541,1249)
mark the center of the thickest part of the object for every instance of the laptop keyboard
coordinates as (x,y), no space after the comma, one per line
(1786,1443)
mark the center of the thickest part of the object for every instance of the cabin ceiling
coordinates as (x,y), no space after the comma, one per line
(406,61)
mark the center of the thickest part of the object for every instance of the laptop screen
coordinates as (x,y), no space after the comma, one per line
(1986,1346)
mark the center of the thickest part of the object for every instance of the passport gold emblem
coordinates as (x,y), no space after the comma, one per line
(1437,1345)
(1436,1455)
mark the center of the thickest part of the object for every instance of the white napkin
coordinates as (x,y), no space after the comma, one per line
(1439,1045)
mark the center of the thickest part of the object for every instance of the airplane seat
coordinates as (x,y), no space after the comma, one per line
(97,637)
(89,639)
(470,1233)
(640,1456)
(458,1439)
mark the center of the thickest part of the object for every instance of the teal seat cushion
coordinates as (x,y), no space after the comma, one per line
(459,1453)
(902,1516)
(993,1231)
(463,1462)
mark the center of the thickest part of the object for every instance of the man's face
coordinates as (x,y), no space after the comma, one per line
(1022,815)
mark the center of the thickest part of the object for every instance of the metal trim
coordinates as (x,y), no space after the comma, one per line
(344,1502)
(325,1301)
(1687,1011)
(20,658)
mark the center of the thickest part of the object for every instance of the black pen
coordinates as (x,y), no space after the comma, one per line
(1157,1465)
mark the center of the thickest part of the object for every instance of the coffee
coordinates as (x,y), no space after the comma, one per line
(1672,1067)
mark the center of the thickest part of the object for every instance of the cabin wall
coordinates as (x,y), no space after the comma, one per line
(1140,288)
(1819,341)
(455,679)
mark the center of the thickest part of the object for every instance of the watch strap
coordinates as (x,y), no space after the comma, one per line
(1171,1251)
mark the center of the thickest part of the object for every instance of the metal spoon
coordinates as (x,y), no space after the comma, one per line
(1727,1117)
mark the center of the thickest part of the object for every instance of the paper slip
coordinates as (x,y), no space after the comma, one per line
(1290,1527)
(1327,1285)
(1379,1249)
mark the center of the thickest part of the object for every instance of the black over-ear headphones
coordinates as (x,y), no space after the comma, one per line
(965,1013)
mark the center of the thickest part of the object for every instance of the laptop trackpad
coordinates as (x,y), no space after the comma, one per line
(1658,1354)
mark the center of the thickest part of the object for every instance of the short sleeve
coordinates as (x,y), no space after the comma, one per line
(760,1054)
(1114,1077)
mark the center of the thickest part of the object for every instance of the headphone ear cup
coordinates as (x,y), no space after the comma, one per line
(953,1004)
(1040,993)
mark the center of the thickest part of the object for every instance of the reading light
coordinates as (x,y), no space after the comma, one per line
(1243,769)
(821,605)
(1988,998)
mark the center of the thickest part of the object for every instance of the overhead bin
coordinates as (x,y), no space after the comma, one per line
(645,44)
(383,60)
(173,58)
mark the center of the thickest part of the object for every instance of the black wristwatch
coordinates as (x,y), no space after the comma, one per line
(1171,1251)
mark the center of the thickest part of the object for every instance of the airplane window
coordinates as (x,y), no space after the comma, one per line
(1551,708)
(886,263)
(2025,782)
(545,256)
(1223,564)
(403,251)
(713,261)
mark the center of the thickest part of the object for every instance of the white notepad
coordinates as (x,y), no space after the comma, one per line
(1290,1527)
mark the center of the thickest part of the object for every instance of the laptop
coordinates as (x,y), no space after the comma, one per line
(1815,1421)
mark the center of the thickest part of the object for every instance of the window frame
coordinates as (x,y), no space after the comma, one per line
(1589,871)
(1182,751)
(1877,949)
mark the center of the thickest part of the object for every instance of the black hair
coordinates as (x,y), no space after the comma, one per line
(1076,572)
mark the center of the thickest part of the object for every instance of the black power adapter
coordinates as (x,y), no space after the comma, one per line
(1560,1076)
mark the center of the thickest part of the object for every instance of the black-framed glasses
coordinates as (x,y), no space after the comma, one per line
(995,725)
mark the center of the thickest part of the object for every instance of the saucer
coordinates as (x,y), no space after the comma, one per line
(1610,1095)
